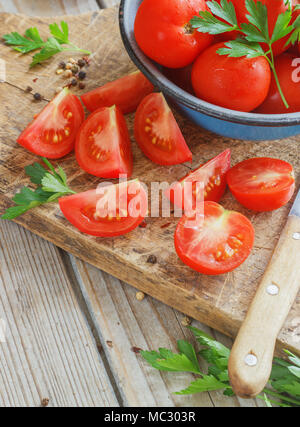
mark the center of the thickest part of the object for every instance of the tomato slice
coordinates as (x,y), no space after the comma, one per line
(212,174)
(126,92)
(262,184)
(219,244)
(109,211)
(52,133)
(103,145)
(158,134)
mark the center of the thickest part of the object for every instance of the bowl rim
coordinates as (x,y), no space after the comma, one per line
(149,68)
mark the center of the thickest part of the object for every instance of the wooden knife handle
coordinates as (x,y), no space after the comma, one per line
(250,361)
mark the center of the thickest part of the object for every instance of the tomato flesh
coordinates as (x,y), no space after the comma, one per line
(126,92)
(240,84)
(158,134)
(111,211)
(103,145)
(163,32)
(52,133)
(212,174)
(262,184)
(218,245)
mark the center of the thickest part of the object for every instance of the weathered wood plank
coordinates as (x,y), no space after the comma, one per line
(124,323)
(49,350)
(48,8)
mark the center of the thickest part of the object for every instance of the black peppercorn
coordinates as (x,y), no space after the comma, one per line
(82,75)
(74,69)
(37,96)
(62,65)
(81,85)
(152,259)
(74,82)
(81,63)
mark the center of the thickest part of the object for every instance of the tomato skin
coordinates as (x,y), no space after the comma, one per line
(262,184)
(236,83)
(157,132)
(39,135)
(76,207)
(275,8)
(126,92)
(285,71)
(103,145)
(220,245)
(213,174)
(162,33)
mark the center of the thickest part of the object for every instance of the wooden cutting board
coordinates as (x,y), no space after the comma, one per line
(220,302)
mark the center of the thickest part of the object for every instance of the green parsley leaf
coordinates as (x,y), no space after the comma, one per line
(21,44)
(282,27)
(224,10)
(50,48)
(206,383)
(207,23)
(32,41)
(60,34)
(51,185)
(188,350)
(258,16)
(239,48)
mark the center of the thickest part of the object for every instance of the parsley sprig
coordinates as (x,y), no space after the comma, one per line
(51,185)
(253,33)
(32,41)
(284,383)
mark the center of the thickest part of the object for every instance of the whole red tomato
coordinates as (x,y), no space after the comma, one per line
(236,83)
(163,32)
(288,71)
(275,8)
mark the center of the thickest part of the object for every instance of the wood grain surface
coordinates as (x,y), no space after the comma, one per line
(221,301)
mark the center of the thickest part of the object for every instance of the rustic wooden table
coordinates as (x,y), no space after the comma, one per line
(71,328)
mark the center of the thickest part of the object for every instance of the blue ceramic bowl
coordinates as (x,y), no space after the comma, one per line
(229,123)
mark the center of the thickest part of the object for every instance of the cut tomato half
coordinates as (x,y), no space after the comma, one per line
(218,244)
(109,211)
(158,134)
(262,184)
(213,176)
(126,92)
(103,145)
(52,133)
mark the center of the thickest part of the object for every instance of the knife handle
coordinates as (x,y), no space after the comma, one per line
(251,358)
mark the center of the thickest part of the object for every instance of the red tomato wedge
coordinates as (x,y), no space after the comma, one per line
(109,211)
(262,184)
(52,133)
(126,92)
(212,174)
(103,145)
(158,134)
(216,246)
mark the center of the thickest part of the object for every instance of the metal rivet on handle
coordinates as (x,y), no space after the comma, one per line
(273,289)
(296,236)
(251,360)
